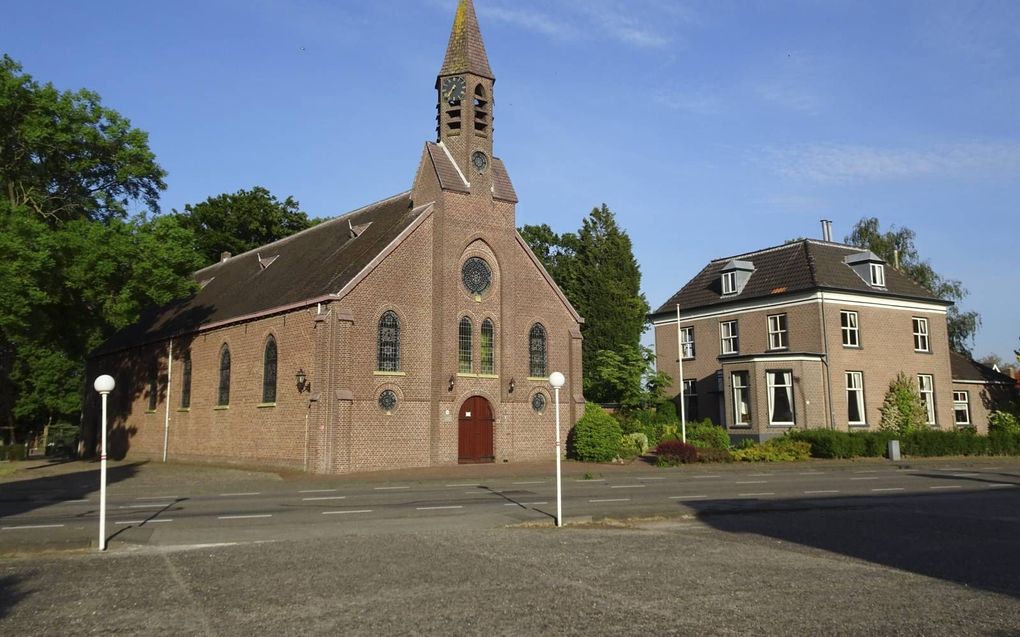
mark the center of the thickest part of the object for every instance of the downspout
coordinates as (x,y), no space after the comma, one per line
(825,361)
(166,417)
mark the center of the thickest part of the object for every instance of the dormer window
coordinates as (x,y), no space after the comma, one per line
(878,275)
(869,267)
(735,275)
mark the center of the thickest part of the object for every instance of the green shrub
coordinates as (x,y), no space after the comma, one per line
(638,440)
(784,449)
(596,436)
(13,452)
(828,443)
(902,410)
(707,435)
(714,455)
(665,412)
(932,442)
(1004,443)
(1003,421)
(671,453)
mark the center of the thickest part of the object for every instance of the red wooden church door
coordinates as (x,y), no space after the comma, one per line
(474,440)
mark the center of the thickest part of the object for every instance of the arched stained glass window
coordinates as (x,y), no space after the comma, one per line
(488,347)
(389,342)
(537,351)
(223,398)
(269,371)
(464,358)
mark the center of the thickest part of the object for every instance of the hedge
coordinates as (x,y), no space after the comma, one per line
(827,443)
(13,452)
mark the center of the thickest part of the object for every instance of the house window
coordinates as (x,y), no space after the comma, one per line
(926,387)
(488,349)
(920,334)
(961,408)
(729,282)
(780,386)
(777,332)
(389,342)
(687,342)
(741,399)
(691,400)
(223,397)
(878,275)
(728,337)
(464,358)
(186,383)
(855,398)
(269,371)
(537,351)
(153,386)
(848,324)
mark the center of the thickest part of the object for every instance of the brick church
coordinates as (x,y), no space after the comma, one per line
(419,330)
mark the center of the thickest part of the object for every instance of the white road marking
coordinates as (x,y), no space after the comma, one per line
(628,486)
(73,501)
(1001,484)
(531,482)
(466,484)
(611,500)
(31,526)
(947,486)
(869,478)
(867,471)
(964,475)
(318,491)
(160,497)
(519,504)
(748,495)
(455,506)
(703,477)
(161,505)
(142,521)
(651,478)
(810,473)
(890,489)
(758,475)
(686,497)
(753,482)
(389,488)
(325,497)
(234,495)
(822,491)
(590,480)
(244,517)
(345,512)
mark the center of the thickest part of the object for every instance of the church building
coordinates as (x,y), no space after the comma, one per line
(416,331)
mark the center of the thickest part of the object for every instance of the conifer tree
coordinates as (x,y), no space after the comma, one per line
(902,410)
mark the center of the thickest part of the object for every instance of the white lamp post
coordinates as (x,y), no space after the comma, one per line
(557,380)
(104,385)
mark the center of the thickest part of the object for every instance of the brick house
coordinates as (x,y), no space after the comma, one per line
(419,330)
(810,334)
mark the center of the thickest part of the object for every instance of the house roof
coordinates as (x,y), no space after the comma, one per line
(965,368)
(799,266)
(466,52)
(309,265)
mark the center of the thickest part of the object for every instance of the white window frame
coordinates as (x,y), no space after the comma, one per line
(687,342)
(850,328)
(926,389)
(878,275)
(778,334)
(855,393)
(741,397)
(775,380)
(920,331)
(961,400)
(729,337)
(729,282)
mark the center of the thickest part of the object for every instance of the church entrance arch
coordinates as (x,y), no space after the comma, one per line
(474,436)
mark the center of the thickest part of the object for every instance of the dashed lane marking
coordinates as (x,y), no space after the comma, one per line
(523,504)
(160,505)
(318,491)
(651,478)
(821,491)
(346,512)
(531,482)
(31,526)
(160,497)
(704,477)
(810,473)
(453,506)
(244,517)
(465,484)
(751,495)
(965,475)
(753,482)
(947,486)
(324,497)
(687,497)
(390,488)
(890,489)
(235,495)
(867,471)
(73,501)
(611,500)
(590,480)
(628,486)
(868,478)
(143,521)
(1001,484)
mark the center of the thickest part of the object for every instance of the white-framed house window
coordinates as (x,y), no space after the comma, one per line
(741,399)
(920,334)
(848,323)
(780,387)
(728,337)
(729,282)
(878,275)
(926,387)
(687,342)
(691,400)
(777,332)
(961,408)
(855,398)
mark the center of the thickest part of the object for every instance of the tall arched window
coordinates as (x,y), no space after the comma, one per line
(389,342)
(481,110)
(537,351)
(223,399)
(488,347)
(186,382)
(269,371)
(464,358)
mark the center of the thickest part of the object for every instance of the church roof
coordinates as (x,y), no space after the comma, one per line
(805,265)
(466,52)
(317,263)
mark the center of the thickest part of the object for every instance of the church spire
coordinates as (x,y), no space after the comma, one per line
(466,51)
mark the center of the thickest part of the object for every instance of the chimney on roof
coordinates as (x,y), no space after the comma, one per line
(224,256)
(826,230)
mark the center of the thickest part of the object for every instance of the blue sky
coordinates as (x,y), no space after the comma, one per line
(710,128)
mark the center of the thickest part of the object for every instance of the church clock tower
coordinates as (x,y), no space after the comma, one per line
(464,91)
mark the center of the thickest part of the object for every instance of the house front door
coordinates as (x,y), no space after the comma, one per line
(474,439)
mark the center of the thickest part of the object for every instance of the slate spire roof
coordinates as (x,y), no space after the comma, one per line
(466,51)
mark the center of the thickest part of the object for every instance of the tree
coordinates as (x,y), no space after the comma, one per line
(902,410)
(867,234)
(241,221)
(628,374)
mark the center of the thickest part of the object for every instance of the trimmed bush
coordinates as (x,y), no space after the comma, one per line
(707,435)
(596,436)
(13,452)
(783,449)
(671,453)
(714,455)
(638,440)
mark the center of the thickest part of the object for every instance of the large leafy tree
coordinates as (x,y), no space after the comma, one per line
(241,221)
(867,233)
(76,265)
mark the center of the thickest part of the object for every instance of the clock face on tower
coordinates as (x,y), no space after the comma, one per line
(453,88)
(479,161)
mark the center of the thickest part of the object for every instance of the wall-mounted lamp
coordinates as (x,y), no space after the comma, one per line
(302,381)
(510,389)
(449,386)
